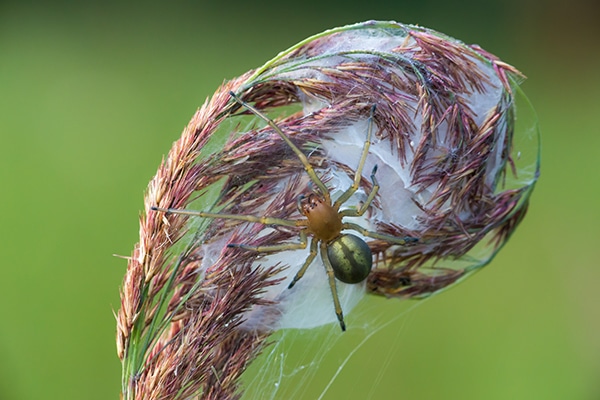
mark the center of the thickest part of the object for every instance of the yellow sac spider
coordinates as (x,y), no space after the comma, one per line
(346,257)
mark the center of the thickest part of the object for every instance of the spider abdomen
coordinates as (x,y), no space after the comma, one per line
(350,257)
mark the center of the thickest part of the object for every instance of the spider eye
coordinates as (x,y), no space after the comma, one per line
(351,258)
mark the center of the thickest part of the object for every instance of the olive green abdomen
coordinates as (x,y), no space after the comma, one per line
(351,258)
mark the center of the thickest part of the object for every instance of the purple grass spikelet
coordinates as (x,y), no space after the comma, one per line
(422,127)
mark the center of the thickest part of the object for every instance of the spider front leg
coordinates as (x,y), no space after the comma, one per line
(359,212)
(361,163)
(363,208)
(307,166)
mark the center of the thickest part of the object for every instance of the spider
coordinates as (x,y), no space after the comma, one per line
(346,257)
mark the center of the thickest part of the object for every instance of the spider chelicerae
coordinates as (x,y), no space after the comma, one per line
(346,257)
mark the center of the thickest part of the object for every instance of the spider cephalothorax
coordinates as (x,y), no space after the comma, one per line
(323,219)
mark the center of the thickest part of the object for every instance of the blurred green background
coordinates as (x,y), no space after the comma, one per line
(92,96)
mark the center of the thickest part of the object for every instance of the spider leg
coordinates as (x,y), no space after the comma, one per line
(249,218)
(358,174)
(275,247)
(307,167)
(376,235)
(361,210)
(332,285)
(309,260)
